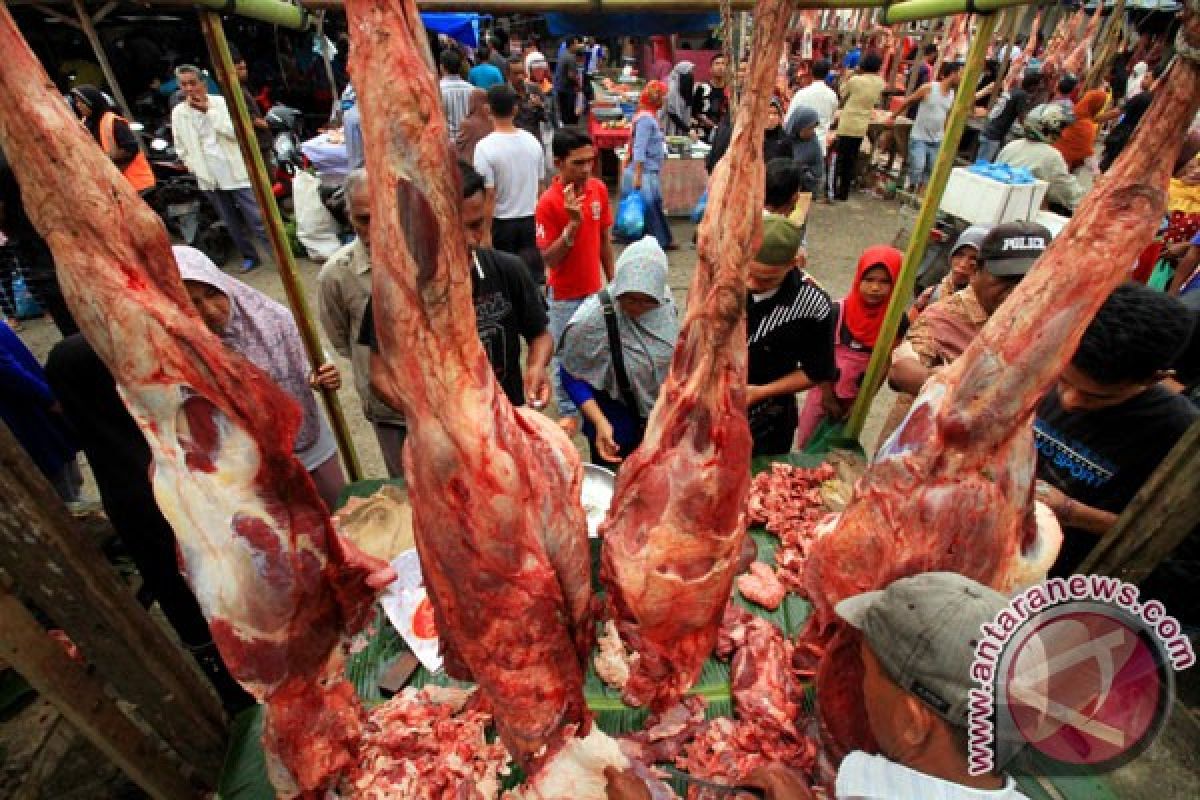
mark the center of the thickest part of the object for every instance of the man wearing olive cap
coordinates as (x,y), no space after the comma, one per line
(789,331)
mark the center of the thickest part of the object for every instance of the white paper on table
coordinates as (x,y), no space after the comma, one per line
(407,607)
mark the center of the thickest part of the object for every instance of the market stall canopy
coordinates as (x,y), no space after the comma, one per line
(624,24)
(462,27)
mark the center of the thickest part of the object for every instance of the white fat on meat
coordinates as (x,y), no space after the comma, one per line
(577,771)
(222,568)
(611,660)
(1035,561)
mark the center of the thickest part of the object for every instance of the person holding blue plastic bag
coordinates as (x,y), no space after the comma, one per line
(648,151)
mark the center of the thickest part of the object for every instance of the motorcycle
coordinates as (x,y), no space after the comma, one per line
(179,202)
(286,125)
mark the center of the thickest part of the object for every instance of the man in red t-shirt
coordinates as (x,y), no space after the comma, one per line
(574,234)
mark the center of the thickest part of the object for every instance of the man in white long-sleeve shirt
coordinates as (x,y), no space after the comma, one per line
(206,142)
(820,98)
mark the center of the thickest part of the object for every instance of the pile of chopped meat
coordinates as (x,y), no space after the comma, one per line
(766,700)
(423,744)
(789,502)
(664,735)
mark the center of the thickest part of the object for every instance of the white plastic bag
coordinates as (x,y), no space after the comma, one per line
(316,228)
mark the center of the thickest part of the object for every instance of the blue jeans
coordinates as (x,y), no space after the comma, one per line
(987,149)
(560,313)
(921,155)
(656,218)
(238,209)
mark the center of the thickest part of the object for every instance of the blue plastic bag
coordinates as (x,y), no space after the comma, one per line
(631,216)
(23,302)
(701,206)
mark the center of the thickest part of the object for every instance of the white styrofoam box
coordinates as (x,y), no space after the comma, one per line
(983,201)
(1053,222)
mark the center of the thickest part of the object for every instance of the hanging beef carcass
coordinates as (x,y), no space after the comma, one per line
(499,526)
(281,590)
(952,489)
(673,534)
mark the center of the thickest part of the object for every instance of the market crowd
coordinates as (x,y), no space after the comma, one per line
(576,325)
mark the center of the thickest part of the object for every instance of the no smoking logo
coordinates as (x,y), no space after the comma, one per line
(1084,685)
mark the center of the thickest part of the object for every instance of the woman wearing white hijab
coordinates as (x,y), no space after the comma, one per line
(265,334)
(646,327)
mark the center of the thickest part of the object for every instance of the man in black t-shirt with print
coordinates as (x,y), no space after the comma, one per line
(508,307)
(1109,422)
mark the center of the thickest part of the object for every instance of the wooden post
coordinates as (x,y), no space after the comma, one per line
(89,30)
(964,101)
(1009,42)
(82,701)
(214,34)
(1161,515)
(68,578)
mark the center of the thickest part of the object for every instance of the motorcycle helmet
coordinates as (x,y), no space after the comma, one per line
(1046,122)
(284,119)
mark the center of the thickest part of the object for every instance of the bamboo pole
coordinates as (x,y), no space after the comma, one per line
(214,34)
(275,12)
(964,100)
(81,699)
(1162,514)
(909,10)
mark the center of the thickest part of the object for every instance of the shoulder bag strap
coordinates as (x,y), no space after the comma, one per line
(618,353)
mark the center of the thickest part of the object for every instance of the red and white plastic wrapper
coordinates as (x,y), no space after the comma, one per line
(407,606)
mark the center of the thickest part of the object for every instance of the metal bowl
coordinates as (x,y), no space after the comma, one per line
(599,485)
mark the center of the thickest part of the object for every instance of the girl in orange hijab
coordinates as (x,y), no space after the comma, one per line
(860,316)
(1078,140)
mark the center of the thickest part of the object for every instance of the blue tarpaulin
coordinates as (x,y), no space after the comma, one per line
(460,27)
(629,24)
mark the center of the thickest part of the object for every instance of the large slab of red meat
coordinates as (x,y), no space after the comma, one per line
(495,490)
(279,587)
(675,528)
(953,488)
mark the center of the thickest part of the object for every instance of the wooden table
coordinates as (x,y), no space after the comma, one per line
(683,181)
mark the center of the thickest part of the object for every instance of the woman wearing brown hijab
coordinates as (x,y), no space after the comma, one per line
(474,126)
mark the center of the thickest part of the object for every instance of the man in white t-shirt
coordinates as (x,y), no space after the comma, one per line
(820,98)
(207,144)
(511,161)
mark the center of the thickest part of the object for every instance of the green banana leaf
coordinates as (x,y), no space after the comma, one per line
(244,773)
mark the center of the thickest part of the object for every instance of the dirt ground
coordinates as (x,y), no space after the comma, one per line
(836,235)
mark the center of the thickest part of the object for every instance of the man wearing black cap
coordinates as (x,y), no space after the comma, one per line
(942,332)
(789,330)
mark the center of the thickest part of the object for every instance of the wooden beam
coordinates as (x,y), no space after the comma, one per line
(81,699)
(104,11)
(64,19)
(67,576)
(89,30)
(1161,516)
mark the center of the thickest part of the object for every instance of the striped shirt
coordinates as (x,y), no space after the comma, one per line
(866,777)
(791,328)
(456,97)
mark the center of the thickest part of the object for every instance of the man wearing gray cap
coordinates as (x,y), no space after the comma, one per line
(918,645)
(944,330)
